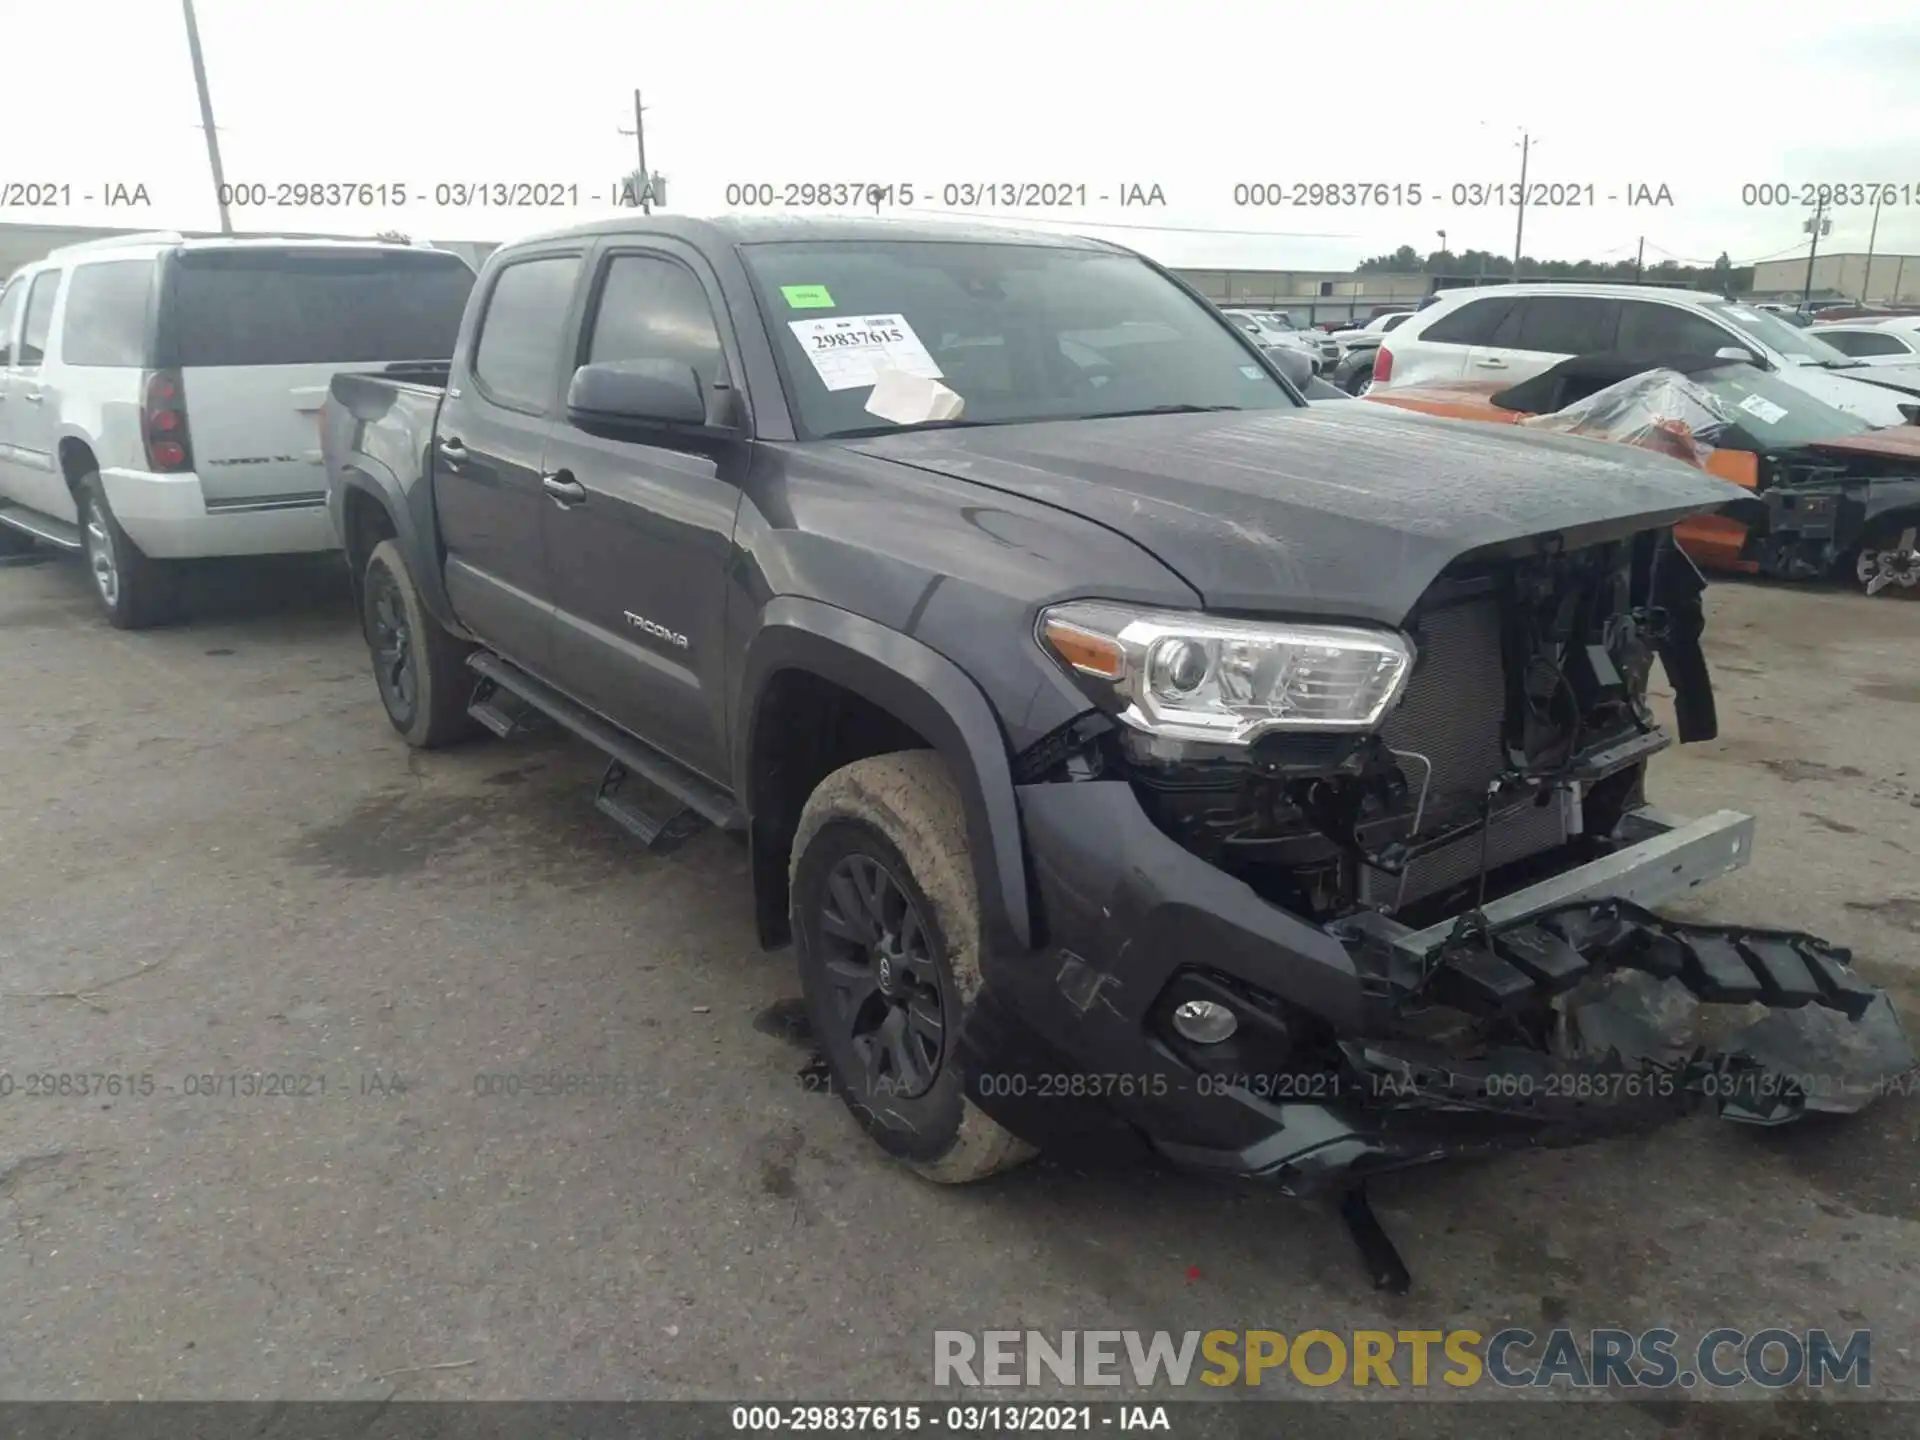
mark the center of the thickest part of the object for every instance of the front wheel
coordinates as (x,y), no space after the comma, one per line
(886,920)
(420,669)
(1888,558)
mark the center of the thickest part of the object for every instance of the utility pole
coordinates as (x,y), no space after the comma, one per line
(1520,224)
(206,117)
(1816,227)
(639,133)
(1866,280)
(1640,260)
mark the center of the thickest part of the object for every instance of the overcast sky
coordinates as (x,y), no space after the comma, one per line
(1194,97)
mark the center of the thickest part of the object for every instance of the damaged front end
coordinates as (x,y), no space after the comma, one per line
(1326,953)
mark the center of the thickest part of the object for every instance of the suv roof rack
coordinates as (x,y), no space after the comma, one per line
(110,242)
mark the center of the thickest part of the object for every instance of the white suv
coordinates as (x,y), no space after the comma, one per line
(1512,332)
(159,397)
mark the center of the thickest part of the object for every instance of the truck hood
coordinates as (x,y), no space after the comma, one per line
(1340,510)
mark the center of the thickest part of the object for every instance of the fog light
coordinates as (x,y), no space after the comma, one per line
(1205,1022)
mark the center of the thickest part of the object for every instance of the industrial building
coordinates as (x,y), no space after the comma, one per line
(1887,280)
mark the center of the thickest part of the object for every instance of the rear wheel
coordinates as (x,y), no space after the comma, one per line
(420,669)
(1888,559)
(135,591)
(886,920)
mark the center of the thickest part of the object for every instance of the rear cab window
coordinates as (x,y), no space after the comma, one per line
(312,306)
(523,331)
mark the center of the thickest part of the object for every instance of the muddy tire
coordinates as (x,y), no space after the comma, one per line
(886,922)
(134,590)
(420,669)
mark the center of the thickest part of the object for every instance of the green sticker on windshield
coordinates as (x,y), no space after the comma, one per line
(807,297)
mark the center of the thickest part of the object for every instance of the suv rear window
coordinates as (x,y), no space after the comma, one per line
(107,314)
(313,307)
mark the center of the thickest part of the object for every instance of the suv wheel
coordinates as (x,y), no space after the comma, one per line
(136,591)
(886,920)
(420,669)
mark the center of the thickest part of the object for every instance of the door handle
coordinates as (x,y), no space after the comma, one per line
(453,452)
(565,490)
(1492,363)
(35,398)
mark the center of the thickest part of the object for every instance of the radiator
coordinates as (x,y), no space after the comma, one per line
(1452,713)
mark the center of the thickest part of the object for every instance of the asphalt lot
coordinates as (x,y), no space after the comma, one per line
(216,858)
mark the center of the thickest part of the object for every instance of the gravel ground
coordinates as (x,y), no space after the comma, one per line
(216,859)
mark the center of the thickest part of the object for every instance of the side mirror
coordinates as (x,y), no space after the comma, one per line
(1736,352)
(617,399)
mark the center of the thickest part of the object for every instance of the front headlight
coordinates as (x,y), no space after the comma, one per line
(1191,677)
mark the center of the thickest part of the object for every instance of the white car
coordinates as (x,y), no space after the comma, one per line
(1275,328)
(1875,343)
(1369,334)
(1512,332)
(160,397)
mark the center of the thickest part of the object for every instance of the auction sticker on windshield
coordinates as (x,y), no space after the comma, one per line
(807,297)
(849,351)
(1763,409)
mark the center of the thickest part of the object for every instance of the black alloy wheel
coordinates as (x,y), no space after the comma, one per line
(391,635)
(887,989)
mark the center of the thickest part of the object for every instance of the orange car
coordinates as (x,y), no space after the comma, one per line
(1836,495)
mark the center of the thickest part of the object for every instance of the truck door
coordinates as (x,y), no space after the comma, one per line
(639,534)
(493,426)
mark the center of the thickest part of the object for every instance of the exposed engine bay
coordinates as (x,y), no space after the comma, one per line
(1523,729)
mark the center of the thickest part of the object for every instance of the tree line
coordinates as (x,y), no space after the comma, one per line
(1723,275)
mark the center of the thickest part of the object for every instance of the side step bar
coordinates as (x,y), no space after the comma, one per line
(634,759)
(41,527)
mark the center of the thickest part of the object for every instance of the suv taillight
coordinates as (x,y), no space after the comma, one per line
(1382,365)
(163,423)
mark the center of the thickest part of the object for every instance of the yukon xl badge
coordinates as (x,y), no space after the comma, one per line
(659,632)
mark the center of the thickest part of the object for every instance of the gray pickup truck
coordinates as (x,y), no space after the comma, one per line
(1130,750)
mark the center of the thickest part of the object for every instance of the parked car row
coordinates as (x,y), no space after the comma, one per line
(1836,495)
(1086,702)
(159,396)
(1520,330)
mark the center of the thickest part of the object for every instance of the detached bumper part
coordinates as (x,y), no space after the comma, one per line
(1134,921)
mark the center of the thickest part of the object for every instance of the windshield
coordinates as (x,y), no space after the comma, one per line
(1774,412)
(1019,332)
(1789,341)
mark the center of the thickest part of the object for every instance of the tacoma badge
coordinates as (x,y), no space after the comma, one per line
(659,632)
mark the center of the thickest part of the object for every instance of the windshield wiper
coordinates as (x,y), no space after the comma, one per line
(867,432)
(1161,410)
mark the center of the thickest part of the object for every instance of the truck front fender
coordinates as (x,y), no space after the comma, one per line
(922,689)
